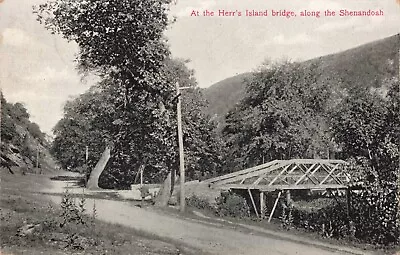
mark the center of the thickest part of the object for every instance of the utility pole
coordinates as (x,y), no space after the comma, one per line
(1,95)
(37,155)
(181,152)
(86,154)
(398,170)
(141,175)
(181,155)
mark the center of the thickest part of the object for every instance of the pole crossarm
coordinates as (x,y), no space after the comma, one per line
(286,175)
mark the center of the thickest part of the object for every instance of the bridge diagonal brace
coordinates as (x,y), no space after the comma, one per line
(275,204)
(306,174)
(311,175)
(313,172)
(252,201)
(266,168)
(281,175)
(330,174)
(342,174)
(282,172)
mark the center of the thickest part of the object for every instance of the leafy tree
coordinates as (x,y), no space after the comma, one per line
(201,144)
(80,128)
(122,38)
(122,41)
(19,113)
(282,116)
(18,135)
(366,126)
(35,131)
(13,115)
(92,119)
(8,130)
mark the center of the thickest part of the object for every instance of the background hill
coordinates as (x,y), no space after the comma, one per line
(367,65)
(223,95)
(21,140)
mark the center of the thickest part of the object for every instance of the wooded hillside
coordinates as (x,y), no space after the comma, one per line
(363,66)
(24,147)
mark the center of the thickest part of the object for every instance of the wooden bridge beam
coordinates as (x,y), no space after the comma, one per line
(275,204)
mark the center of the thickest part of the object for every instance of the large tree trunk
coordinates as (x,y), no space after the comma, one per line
(93,182)
(165,192)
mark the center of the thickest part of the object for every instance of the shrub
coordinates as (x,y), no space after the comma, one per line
(331,221)
(374,216)
(199,203)
(287,217)
(375,206)
(232,205)
(371,218)
(72,212)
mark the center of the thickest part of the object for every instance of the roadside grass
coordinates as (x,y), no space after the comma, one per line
(20,205)
(276,226)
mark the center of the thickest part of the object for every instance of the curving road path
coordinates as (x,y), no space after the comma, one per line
(213,238)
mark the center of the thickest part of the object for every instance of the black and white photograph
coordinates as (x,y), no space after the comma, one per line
(200,127)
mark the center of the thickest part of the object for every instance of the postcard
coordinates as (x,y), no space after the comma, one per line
(200,126)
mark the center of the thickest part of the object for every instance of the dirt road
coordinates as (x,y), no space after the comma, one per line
(212,238)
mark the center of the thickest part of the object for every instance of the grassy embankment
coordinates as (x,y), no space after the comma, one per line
(21,204)
(278,229)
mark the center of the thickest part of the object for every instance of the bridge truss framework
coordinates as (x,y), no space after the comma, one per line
(285,175)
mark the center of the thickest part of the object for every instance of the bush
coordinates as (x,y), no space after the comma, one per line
(199,203)
(72,212)
(287,217)
(331,221)
(374,216)
(375,206)
(232,205)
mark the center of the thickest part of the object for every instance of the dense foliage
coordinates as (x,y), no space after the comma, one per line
(201,143)
(362,66)
(289,111)
(232,205)
(13,115)
(281,117)
(199,203)
(122,42)
(331,221)
(19,136)
(228,204)
(367,126)
(92,120)
(87,121)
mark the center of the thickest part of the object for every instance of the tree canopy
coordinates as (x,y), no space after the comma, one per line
(289,112)
(94,117)
(123,43)
(367,127)
(281,117)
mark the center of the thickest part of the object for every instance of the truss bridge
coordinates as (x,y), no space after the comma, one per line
(284,176)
